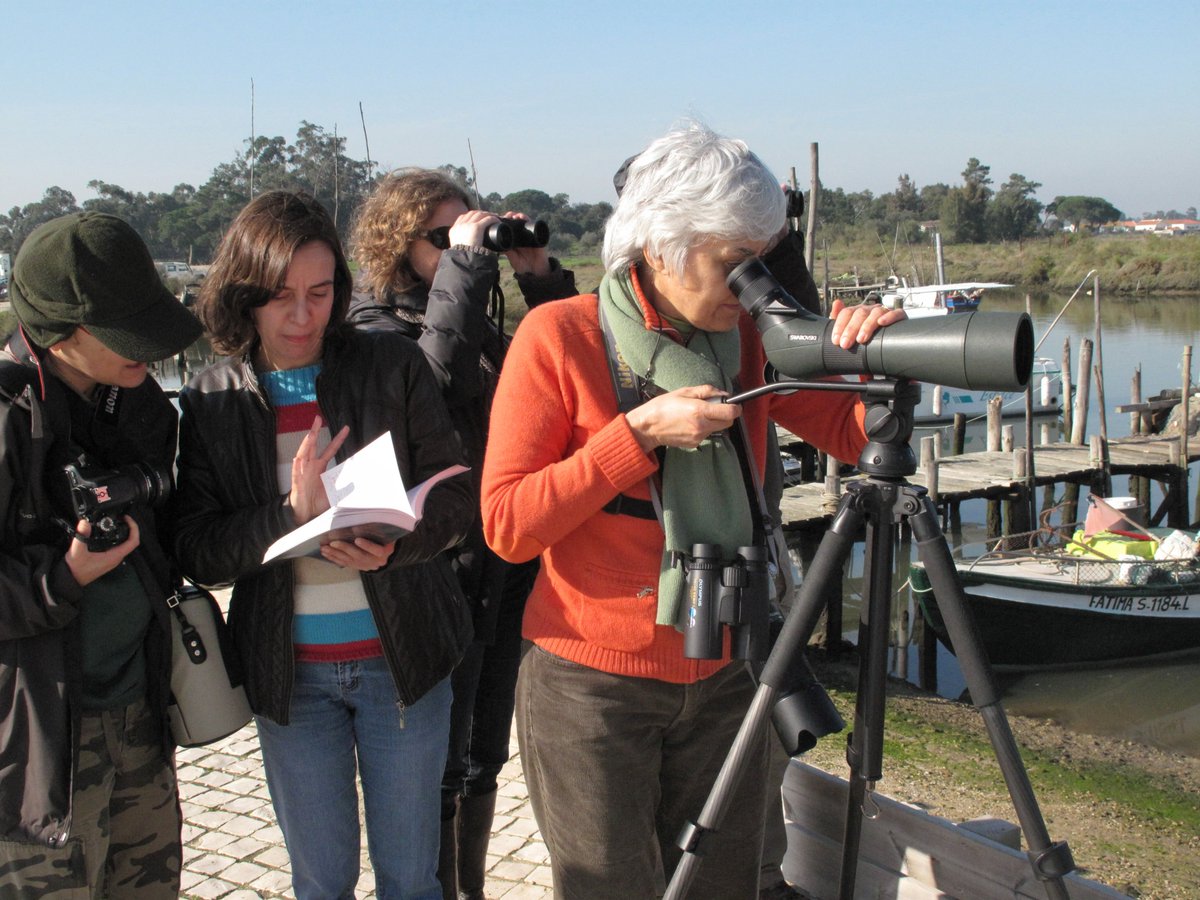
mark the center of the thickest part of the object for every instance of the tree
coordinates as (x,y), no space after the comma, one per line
(1013,213)
(22,220)
(1084,211)
(964,210)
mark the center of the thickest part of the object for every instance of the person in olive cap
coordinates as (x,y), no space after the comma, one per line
(88,798)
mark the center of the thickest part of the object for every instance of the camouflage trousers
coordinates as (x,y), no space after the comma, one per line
(125,820)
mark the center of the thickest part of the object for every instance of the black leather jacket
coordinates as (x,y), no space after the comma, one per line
(464,347)
(230,510)
(43,425)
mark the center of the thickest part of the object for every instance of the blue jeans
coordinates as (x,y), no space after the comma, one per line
(343,714)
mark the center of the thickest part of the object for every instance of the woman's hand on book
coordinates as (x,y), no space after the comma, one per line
(362,554)
(307,497)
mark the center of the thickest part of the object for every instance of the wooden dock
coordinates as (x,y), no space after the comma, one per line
(998,474)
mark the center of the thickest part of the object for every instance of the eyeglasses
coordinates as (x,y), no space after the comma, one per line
(439,237)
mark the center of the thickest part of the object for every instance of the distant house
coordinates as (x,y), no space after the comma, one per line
(1178,226)
(1156,226)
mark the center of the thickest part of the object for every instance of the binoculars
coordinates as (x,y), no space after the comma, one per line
(509,233)
(734,592)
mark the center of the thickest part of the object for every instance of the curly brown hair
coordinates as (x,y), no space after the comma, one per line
(252,262)
(391,219)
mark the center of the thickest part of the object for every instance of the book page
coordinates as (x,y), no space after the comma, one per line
(368,479)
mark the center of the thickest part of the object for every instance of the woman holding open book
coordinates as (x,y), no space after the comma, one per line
(347,653)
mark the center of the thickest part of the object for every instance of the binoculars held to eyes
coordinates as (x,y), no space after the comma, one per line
(500,236)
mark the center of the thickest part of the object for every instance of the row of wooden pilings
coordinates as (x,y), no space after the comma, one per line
(1015,513)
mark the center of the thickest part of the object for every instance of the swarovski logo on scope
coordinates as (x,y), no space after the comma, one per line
(973,350)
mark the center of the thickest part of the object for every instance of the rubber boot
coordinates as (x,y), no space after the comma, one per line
(447,870)
(475,815)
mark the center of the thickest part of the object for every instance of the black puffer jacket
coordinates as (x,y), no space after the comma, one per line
(230,510)
(466,350)
(43,426)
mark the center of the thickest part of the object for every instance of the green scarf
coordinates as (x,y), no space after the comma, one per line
(703,492)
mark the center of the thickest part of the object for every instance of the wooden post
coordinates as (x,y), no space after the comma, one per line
(1067,398)
(814,196)
(1179,513)
(1135,398)
(960,434)
(1102,439)
(1008,438)
(993,424)
(1080,414)
(1044,437)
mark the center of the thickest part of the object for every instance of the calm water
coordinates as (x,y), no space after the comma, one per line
(1156,704)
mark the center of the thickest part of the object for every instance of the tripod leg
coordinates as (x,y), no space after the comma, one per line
(864,749)
(1050,861)
(831,556)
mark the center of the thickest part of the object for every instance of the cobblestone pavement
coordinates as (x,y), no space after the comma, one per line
(233,849)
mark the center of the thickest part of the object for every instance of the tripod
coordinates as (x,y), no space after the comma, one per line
(880,504)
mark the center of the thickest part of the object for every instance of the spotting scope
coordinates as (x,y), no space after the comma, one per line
(971,350)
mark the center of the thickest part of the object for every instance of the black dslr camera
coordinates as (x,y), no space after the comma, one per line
(733,592)
(103,496)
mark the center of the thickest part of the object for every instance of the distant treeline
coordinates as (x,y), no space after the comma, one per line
(187,222)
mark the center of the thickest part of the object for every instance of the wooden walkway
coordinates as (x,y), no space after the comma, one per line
(994,474)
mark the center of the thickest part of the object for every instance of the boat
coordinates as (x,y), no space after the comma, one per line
(1076,600)
(935,299)
(939,404)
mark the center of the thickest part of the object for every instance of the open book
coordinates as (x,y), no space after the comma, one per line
(367,499)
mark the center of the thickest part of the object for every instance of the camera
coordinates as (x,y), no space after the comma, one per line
(971,350)
(732,592)
(103,496)
(509,233)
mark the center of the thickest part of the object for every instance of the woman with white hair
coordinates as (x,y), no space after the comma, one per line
(621,735)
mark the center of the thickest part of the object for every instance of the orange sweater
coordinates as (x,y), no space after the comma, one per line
(559,450)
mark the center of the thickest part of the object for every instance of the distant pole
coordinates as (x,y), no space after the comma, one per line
(252,138)
(1105,470)
(814,195)
(1180,510)
(335,175)
(367,142)
(941,262)
(1030,463)
(1068,399)
(795,186)
(474,176)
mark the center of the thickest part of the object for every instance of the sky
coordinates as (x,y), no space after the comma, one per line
(1097,98)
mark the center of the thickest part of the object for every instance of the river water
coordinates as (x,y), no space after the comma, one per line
(1157,704)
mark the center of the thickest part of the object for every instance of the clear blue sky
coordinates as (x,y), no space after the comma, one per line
(1096,98)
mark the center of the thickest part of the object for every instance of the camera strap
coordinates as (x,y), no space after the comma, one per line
(768,530)
(630,391)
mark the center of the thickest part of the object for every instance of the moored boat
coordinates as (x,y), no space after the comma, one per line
(1082,600)
(939,404)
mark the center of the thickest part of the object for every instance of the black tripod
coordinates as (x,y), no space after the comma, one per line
(880,503)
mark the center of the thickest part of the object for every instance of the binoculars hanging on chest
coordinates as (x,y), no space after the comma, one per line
(726,592)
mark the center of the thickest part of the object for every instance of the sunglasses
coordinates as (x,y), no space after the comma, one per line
(439,237)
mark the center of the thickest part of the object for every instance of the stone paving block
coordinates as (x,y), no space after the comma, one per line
(211,889)
(274,857)
(274,882)
(243,872)
(211,818)
(210,863)
(526,892)
(244,848)
(210,841)
(504,844)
